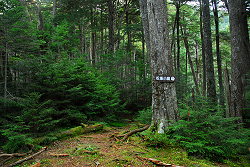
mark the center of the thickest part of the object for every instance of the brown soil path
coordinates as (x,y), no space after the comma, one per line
(110,153)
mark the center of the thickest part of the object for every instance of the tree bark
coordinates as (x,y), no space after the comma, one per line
(40,25)
(216,19)
(54,11)
(111,25)
(145,23)
(164,101)
(227,93)
(211,90)
(204,84)
(178,35)
(240,58)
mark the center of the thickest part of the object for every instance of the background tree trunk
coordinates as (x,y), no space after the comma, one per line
(112,25)
(40,25)
(211,90)
(216,19)
(204,84)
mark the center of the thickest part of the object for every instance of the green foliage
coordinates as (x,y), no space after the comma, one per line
(155,139)
(145,116)
(77,87)
(16,141)
(209,134)
(117,124)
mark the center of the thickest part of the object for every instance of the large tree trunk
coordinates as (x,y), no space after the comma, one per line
(164,101)
(216,19)
(211,90)
(240,58)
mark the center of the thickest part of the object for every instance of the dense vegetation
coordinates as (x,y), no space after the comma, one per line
(63,74)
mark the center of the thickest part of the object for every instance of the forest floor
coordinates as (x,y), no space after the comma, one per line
(102,149)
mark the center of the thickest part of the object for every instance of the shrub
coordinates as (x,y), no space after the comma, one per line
(145,116)
(209,134)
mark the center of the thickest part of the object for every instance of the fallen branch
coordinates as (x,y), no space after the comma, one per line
(38,164)
(157,162)
(133,132)
(59,155)
(19,154)
(80,130)
(7,159)
(28,158)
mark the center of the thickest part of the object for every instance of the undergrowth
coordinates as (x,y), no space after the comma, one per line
(203,134)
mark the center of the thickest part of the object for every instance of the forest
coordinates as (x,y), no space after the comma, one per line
(177,71)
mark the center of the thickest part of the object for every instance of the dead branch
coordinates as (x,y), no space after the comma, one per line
(81,130)
(133,132)
(19,154)
(59,155)
(157,162)
(7,159)
(38,164)
(28,158)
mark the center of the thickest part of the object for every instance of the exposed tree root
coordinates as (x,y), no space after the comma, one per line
(133,132)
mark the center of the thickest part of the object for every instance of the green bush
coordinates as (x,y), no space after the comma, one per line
(62,94)
(144,116)
(209,134)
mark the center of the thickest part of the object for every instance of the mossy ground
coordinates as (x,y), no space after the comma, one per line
(111,153)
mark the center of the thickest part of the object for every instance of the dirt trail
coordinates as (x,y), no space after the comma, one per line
(109,153)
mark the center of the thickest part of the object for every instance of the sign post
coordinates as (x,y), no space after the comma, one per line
(165,78)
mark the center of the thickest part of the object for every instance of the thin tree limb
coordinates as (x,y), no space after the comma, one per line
(28,158)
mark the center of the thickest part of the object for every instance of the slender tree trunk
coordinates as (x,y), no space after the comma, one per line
(93,37)
(227,93)
(102,32)
(204,83)
(164,101)
(240,56)
(40,25)
(5,69)
(191,62)
(112,25)
(145,23)
(178,35)
(216,19)
(126,8)
(128,33)
(211,90)
(54,11)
